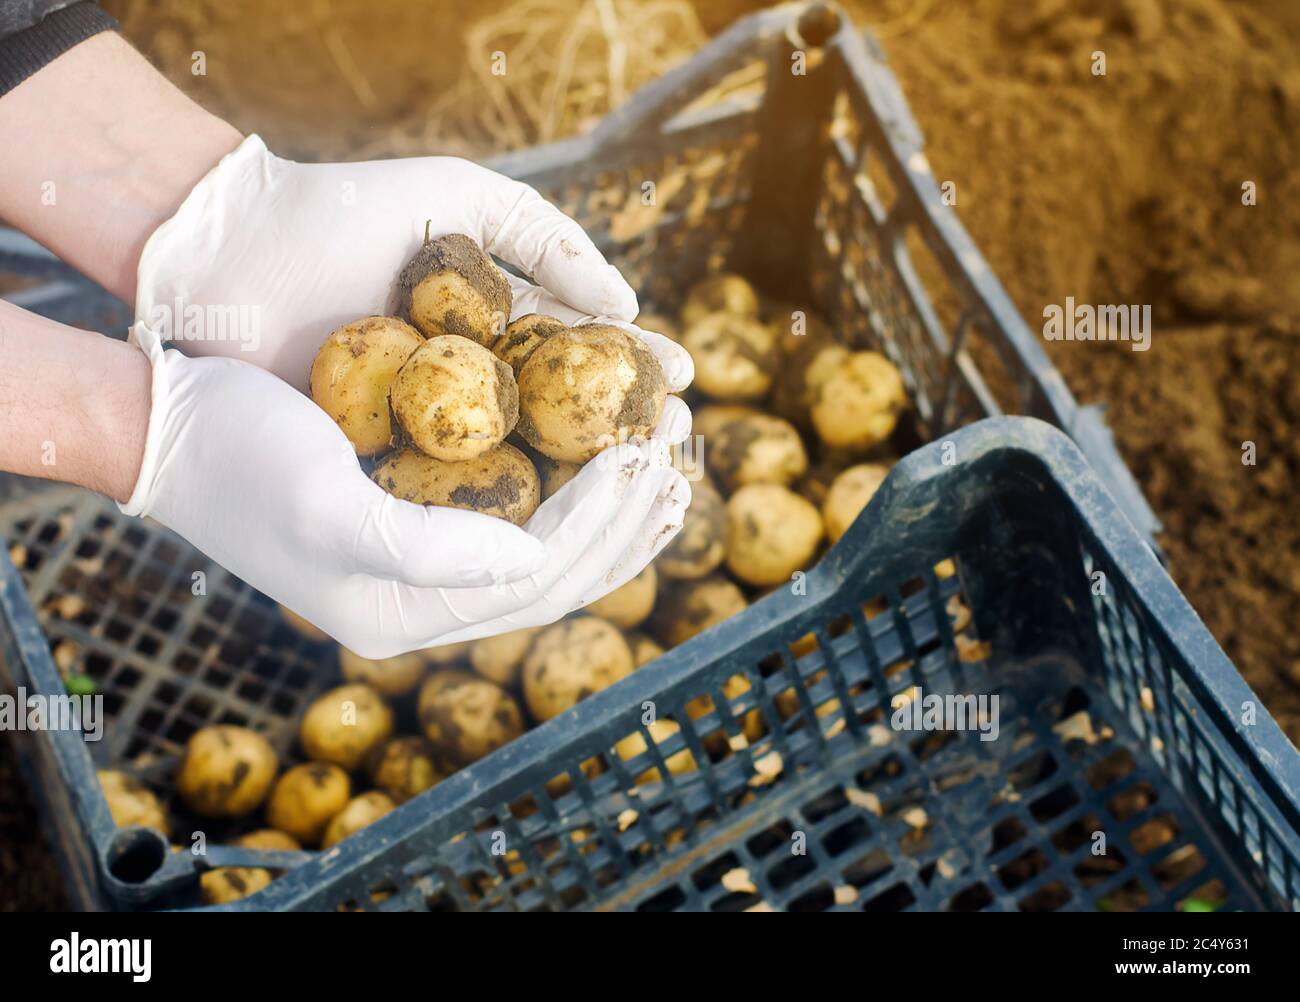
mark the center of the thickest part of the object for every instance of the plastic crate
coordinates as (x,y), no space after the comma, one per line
(779,177)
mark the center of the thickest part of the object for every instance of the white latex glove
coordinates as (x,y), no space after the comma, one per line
(260,479)
(269,255)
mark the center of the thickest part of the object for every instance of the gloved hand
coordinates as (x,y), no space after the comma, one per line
(261,480)
(269,256)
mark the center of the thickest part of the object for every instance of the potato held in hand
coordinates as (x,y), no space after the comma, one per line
(501,482)
(452,287)
(454,399)
(227,771)
(465,717)
(353,372)
(586,389)
(523,337)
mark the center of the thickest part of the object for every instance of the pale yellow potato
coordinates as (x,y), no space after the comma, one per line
(709,420)
(687,608)
(856,404)
(466,717)
(305,798)
(498,659)
(661,730)
(132,803)
(771,533)
(523,336)
(629,605)
(268,838)
(395,676)
(725,293)
(849,494)
(735,357)
(756,449)
(341,726)
(405,767)
(353,372)
(451,286)
(501,482)
(588,388)
(301,626)
(227,771)
(570,661)
(701,546)
(644,649)
(454,399)
(555,474)
(809,362)
(360,811)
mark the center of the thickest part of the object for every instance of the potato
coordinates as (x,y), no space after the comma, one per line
(451,287)
(395,676)
(809,364)
(230,883)
(522,338)
(359,812)
(571,660)
(688,608)
(555,474)
(342,725)
(454,399)
(405,767)
(628,605)
(301,626)
(701,546)
(735,357)
(588,388)
(466,717)
(723,293)
(659,324)
(661,730)
(856,404)
(132,803)
(501,482)
(644,649)
(771,533)
(353,372)
(849,494)
(709,420)
(499,658)
(305,798)
(227,771)
(756,449)
(447,654)
(268,838)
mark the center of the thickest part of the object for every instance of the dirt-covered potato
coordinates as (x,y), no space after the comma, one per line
(501,482)
(756,449)
(522,338)
(660,324)
(661,730)
(404,767)
(588,388)
(629,605)
(771,533)
(499,658)
(856,403)
(227,771)
(723,293)
(341,726)
(451,286)
(353,372)
(849,494)
(395,676)
(735,357)
(362,810)
(555,474)
(230,883)
(305,798)
(644,649)
(132,803)
(454,399)
(688,608)
(301,626)
(465,716)
(571,660)
(701,546)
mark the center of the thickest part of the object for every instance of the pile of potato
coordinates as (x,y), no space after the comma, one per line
(794,429)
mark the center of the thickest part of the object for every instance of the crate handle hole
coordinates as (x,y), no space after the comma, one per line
(136,854)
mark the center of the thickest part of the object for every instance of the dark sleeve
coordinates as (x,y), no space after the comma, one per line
(36,32)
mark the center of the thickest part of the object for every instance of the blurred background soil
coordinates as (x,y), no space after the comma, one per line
(1116,189)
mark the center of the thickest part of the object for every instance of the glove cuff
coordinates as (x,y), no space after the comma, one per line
(146,485)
